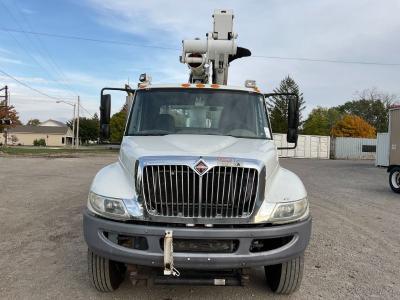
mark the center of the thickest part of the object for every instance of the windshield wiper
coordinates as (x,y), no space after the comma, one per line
(247,137)
(150,133)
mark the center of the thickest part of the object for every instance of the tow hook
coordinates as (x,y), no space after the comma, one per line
(169,268)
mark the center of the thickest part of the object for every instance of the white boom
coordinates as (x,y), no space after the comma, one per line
(217,51)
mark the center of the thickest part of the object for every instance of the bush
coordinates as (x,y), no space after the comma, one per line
(39,142)
(353,126)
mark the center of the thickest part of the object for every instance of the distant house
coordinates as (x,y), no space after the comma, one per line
(53,123)
(55,134)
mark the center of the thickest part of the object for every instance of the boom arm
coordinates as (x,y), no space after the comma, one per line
(217,51)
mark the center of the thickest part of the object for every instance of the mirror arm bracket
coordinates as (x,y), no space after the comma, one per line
(116,89)
(287,148)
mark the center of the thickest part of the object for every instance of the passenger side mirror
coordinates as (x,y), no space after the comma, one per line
(293,119)
(292,115)
(105,112)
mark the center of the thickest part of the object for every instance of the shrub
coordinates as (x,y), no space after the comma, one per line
(39,142)
(353,126)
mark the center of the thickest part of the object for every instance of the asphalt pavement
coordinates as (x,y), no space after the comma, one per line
(354,250)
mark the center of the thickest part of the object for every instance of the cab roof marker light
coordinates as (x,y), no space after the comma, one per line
(144,80)
(250,84)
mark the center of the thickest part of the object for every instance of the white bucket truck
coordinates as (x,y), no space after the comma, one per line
(198,185)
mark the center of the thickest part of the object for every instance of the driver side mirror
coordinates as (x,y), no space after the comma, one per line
(105,112)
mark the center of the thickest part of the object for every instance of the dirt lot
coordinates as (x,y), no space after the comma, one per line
(354,251)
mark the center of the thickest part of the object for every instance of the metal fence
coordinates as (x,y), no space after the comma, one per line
(354,148)
(308,146)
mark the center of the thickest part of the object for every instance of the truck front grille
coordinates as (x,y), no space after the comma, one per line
(178,191)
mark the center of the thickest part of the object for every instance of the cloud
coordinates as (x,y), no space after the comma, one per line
(10,61)
(31,104)
(88,80)
(3,50)
(28,11)
(361,30)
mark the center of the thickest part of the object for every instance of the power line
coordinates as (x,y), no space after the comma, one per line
(327,60)
(86,111)
(27,36)
(28,86)
(73,37)
(44,49)
(40,92)
(125,43)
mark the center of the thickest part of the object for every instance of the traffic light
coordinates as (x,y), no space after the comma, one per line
(5,122)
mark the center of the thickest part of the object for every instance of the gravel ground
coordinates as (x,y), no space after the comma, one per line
(354,250)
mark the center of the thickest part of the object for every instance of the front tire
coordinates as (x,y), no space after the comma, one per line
(105,275)
(394,179)
(285,278)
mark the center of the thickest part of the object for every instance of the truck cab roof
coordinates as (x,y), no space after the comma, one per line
(199,86)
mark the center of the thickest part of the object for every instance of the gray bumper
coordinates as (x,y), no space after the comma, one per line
(98,243)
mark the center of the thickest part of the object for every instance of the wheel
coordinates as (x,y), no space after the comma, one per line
(106,275)
(394,179)
(285,278)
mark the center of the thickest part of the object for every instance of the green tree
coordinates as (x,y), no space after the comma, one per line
(33,122)
(278,106)
(320,121)
(117,125)
(88,128)
(371,105)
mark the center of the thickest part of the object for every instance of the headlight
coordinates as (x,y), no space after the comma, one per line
(290,211)
(284,212)
(108,207)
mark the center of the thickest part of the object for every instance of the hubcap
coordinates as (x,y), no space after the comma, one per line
(396,179)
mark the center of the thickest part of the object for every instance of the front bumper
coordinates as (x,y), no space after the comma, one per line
(94,228)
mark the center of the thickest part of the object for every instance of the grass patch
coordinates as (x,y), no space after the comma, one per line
(54,152)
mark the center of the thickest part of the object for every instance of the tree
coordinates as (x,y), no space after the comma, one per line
(117,125)
(320,121)
(278,107)
(8,112)
(353,126)
(371,105)
(33,122)
(88,128)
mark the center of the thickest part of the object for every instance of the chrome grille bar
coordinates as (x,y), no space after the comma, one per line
(178,191)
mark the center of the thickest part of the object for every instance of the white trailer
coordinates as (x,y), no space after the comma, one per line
(394,156)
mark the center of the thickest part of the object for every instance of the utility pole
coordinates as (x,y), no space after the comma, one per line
(77,125)
(4,119)
(5,89)
(73,104)
(73,127)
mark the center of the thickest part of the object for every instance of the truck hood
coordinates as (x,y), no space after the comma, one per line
(135,147)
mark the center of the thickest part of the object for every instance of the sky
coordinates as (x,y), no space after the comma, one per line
(357,30)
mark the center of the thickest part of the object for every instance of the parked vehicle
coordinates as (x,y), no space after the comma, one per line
(198,185)
(394,157)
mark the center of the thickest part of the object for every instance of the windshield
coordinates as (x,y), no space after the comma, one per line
(199,111)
